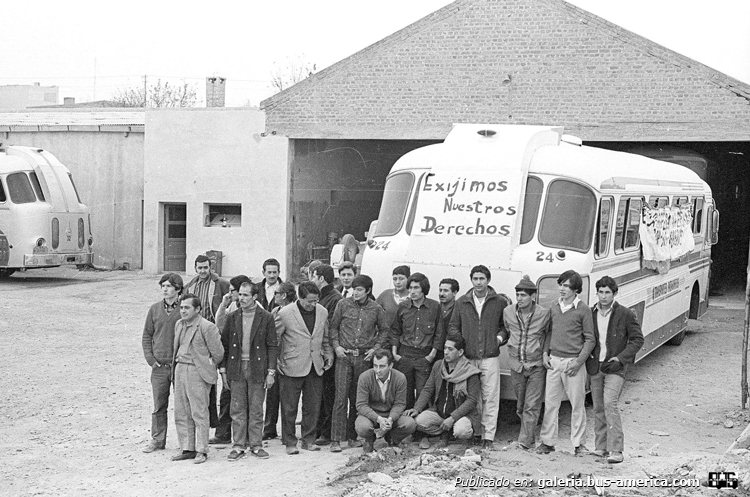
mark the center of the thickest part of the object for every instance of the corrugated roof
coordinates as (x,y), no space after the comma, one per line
(109,117)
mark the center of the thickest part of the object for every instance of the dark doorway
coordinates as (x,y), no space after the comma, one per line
(175,237)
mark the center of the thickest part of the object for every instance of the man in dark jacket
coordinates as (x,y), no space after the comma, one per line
(452,393)
(267,288)
(618,339)
(249,365)
(478,317)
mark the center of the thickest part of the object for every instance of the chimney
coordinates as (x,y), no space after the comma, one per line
(215,89)
(67,101)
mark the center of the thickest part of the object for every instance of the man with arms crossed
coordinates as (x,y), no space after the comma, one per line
(478,317)
(619,339)
(158,343)
(452,393)
(570,342)
(197,351)
(528,325)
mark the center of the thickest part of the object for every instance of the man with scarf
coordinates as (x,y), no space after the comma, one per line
(452,393)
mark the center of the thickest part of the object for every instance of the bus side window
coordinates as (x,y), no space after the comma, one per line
(620,224)
(3,198)
(628,221)
(697,215)
(658,202)
(531,208)
(37,186)
(678,201)
(603,227)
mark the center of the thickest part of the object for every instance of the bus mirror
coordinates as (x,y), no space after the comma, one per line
(371,232)
(715,228)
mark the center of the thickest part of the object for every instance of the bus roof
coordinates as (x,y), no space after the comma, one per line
(12,163)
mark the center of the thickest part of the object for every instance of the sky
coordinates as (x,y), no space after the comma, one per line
(92,49)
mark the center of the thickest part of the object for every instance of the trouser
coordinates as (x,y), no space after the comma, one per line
(272,411)
(326,403)
(348,369)
(417,371)
(430,422)
(223,420)
(575,386)
(191,408)
(247,410)
(605,391)
(490,405)
(402,428)
(311,389)
(161,381)
(529,388)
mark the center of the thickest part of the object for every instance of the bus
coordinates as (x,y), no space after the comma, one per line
(529,200)
(43,222)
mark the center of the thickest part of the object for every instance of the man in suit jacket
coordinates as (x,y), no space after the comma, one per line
(249,337)
(618,338)
(302,329)
(197,350)
(381,400)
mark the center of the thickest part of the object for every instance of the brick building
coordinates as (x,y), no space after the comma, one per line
(541,62)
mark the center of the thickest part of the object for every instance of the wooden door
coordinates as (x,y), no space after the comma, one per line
(175,237)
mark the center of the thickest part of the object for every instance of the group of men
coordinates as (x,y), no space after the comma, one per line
(388,368)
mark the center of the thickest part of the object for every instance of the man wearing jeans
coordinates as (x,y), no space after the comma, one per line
(249,337)
(478,317)
(528,324)
(619,338)
(158,343)
(570,342)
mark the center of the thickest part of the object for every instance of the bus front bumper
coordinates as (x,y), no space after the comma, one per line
(32,260)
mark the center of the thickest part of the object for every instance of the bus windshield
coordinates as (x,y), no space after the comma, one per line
(569,214)
(395,201)
(20,189)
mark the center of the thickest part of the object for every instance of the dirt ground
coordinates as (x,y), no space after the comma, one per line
(76,406)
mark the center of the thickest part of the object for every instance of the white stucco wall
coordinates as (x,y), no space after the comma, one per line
(216,155)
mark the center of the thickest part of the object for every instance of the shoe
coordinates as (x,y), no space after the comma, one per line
(308,446)
(200,458)
(185,454)
(322,440)
(522,446)
(477,440)
(486,444)
(292,450)
(152,446)
(600,453)
(270,436)
(581,450)
(367,447)
(424,444)
(543,448)
(259,453)
(445,439)
(615,457)
(335,447)
(235,455)
(354,443)
(218,441)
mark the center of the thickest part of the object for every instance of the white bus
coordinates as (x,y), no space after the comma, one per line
(43,222)
(530,200)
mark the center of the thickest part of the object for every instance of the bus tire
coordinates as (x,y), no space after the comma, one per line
(5,272)
(677,339)
(351,247)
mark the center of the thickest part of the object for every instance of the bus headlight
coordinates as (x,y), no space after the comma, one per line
(91,241)
(41,242)
(41,246)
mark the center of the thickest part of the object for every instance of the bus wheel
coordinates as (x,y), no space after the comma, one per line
(5,272)
(677,339)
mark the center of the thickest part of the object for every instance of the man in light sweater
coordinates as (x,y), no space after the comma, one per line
(569,344)
(158,343)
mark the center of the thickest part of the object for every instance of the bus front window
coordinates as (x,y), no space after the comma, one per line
(395,201)
(20,189)
(568,218)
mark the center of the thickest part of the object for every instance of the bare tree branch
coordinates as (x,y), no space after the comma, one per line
(158,95)
(292,71)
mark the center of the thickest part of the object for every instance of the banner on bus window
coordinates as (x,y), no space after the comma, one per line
(666,235)
(470,204)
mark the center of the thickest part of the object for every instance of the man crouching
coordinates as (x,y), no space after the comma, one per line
(452,393)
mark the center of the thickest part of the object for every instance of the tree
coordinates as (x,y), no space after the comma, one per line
(158,95)
(294,70)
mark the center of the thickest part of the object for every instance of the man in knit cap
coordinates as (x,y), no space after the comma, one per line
(528,324)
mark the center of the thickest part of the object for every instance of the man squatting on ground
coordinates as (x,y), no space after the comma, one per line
(302,329)
(323,276)
(527,324)
(570,343)
(249,368)
(618,338)
(158,348)
(197,351)
(416,335)
(210,290)
(452,393)
(358,329)
(381,401)
(478,317)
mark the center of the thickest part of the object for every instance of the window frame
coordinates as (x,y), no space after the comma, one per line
(698,220)
(406,211)
(208,219)
(597,253)
(622,249)
(546,193)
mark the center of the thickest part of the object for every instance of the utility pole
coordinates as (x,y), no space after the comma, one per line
(745,337)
